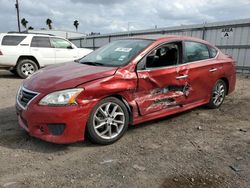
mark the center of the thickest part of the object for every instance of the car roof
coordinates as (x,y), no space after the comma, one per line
(162,37)
(32,34)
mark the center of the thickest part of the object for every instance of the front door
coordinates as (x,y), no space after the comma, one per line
(162,83)
(65,52)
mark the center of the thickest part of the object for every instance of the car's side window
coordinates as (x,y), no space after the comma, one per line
(213,52)
(60,43)
(196,51)
(164,56)
(12,40)
(40,42)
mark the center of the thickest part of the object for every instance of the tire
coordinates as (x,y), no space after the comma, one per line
(26,67)
(218,94)
(108,121)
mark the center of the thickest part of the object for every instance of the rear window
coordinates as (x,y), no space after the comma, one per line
(40,42)
(12,40)
(196,51)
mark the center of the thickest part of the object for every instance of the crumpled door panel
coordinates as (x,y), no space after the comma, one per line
(161,89)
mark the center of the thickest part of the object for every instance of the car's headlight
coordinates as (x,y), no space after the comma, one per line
(64,97)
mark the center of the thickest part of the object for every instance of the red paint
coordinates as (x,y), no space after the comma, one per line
(139,90)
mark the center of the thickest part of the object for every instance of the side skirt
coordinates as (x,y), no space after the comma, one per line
(168,111)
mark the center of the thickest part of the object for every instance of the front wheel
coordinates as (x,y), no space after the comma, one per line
(108,121)
(218,94)
(26,67)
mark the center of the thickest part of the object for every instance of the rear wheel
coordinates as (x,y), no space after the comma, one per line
(26,67)
(218,94)
(108,121)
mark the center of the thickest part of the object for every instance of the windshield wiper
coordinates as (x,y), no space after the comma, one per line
(92,63)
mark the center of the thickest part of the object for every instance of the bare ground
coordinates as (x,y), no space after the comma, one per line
(197,148)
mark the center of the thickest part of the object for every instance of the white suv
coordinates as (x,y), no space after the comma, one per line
(24,53)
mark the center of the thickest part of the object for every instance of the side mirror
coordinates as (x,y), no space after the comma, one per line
(69,47)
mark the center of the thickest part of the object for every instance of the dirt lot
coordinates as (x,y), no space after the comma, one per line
(198,148)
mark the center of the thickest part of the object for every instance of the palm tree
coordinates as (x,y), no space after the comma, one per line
(49,22)
(76,23)
(24,23)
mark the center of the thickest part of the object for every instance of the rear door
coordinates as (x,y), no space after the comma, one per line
(42,50)
(161,82)
(65,51)
(203,70)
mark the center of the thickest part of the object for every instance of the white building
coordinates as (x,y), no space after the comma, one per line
(61,33)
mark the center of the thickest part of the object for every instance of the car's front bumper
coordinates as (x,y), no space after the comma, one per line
(54,124)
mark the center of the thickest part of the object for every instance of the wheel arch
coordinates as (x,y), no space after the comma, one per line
(226,82)
(29,57)
(129,107)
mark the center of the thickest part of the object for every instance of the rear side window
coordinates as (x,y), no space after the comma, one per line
(213,52)
(40,42)
(196,51)
(12,40)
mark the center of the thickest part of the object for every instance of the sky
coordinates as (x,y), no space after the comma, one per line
(108,16)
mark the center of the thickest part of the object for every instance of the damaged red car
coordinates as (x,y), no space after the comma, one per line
(125,82)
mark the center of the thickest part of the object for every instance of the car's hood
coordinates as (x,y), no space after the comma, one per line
(64,76)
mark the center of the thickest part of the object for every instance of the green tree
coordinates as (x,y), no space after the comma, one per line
(24,23)
(76,24)
(49,23)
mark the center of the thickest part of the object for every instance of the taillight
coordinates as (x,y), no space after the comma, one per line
(1,52)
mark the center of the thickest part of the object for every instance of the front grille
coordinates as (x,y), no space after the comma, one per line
(25,96)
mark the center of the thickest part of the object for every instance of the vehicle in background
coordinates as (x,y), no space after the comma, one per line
(24,53)
(126,82)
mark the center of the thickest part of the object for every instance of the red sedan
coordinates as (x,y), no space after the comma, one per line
(124,83)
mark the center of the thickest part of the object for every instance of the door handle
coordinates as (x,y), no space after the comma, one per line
(213,70)
(181,77)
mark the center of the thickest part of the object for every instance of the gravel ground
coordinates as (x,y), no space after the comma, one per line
(197,148)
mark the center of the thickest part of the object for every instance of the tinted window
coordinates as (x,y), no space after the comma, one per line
(196,51)
(60,43)
(40,42)
(166,55)
(213,52)
(12,40)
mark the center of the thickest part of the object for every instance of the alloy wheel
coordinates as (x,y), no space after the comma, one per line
(109,120)
(218,94)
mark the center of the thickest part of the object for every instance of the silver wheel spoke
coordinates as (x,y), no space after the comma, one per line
(103,112)
(110,131)
(104,132)
(99,120)
(107,108)
(117,121)
(113,111)
(117,114)
(100,125)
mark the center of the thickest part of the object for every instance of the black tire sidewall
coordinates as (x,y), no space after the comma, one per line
(19,65)
(211,103)
(90,129)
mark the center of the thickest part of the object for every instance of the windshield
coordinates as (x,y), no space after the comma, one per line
(116,53)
